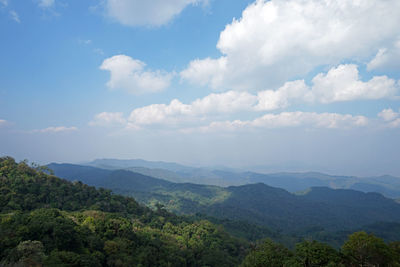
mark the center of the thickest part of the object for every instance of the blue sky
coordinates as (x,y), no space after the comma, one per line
(289,84)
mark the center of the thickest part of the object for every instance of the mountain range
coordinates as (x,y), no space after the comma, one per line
(387,185)
(321,208)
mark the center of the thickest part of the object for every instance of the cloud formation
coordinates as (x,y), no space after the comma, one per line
(14,15)
(391,117)
(2,122)
(108,119)
(290,119)
(147,13)
(57,129)
(275,41)
(46,3)
(339,84)
(130,75)
(387,58)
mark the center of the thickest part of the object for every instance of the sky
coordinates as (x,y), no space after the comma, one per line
(281,85)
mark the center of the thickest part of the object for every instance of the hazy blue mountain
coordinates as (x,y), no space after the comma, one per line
(257,203)
(129,163)
(387,185)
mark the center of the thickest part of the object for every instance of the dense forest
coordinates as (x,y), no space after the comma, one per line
(48,221)
(321,213)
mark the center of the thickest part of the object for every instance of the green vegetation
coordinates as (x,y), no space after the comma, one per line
(388,186)
(320,213)
(361,249)
(47,221)
(52,222)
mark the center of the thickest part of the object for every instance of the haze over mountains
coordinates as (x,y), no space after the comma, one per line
(317,210)
(387,185)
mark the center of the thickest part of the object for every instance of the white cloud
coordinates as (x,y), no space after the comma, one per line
(129,74)
(386,58)
(14,15)
(275,41)
(343,84)
(296,91)
(160,113)
(3,122)
(228,102)
(149,12)
(290,119)
(388,114)
(206,71)
(4,3)
(390,117)
(177,112)
(57,129)
(46,3)
(108,119)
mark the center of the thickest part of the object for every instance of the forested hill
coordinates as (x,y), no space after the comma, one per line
(387,185)
(320,207)
(45,220)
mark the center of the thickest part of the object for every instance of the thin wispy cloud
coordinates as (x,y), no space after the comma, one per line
(147,13)
(55,129)
(46,3)
(14,15)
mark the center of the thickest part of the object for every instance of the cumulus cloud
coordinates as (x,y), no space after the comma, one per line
(149,12)
(295,91)
(390,117)
(14,15)
(387,58)
(108,119)
(388,114)
(288,119)
(341,83)
(275,41)
(130,75)
(58,129)
(177,112)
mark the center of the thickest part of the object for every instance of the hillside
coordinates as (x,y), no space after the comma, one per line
(388,186)
(320,207)
(47,221)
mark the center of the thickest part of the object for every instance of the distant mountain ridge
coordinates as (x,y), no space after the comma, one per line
(387,185)
(257,203)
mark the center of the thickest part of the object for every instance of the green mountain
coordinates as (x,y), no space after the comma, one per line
(48,221)
(388,186)
(318,208)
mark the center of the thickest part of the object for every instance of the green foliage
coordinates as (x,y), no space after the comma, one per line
(48,221)
(364,249)
(268,253)
(315,214)
(313,253)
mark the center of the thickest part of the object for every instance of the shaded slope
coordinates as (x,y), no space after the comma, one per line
(257,203)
